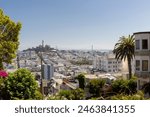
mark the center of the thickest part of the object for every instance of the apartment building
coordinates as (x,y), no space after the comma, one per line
(142,57)
(47,71)
(97,62)
(108,63)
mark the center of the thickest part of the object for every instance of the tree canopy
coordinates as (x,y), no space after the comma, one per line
(9,38)
(20,85)
(95,86)
(81,79)
(124,86)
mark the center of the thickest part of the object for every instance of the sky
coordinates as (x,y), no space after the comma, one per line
(77,24)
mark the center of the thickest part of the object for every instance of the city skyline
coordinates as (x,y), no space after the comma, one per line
(76,24)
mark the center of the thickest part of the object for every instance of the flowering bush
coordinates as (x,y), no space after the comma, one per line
(20,84)
(3,74)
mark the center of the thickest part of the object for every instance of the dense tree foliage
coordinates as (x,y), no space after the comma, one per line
(146,88)
(9,40)
(76,94)
(20,85)
(81,79)
(124,49)
(138,96)
(124,86)
(95,86)
(66,94)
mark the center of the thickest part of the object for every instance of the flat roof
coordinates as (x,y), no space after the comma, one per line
(141,32)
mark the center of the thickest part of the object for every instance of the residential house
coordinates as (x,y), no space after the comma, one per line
(142,57)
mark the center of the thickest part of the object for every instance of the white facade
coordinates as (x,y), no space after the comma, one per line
(97,62)
(108,63)
(142,57)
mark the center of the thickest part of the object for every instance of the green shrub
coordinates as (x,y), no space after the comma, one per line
(20,85)
(138,96)
(124,86)
(95,86)
(76,94)
(66,94)
(81,79)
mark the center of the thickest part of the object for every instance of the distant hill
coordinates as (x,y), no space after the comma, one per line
(39,48)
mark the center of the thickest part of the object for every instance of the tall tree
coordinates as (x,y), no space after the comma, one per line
(81,79)
(124,49)
(9,41)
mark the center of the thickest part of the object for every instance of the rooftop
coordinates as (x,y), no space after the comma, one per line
(142,32)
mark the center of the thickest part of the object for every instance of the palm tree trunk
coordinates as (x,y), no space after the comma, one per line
(129,67)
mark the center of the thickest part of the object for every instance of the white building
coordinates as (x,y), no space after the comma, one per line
(142,57)
(108,63)
(97,62)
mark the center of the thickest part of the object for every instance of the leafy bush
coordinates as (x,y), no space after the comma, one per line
(124,86)
(95,86)
(20,85)
(56,97)
(132,85)
(138,96)
(76,94)
(66,94)
(146,88)
(81,79)
(3,74)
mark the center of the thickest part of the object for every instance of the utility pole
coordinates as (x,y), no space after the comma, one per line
(42,90)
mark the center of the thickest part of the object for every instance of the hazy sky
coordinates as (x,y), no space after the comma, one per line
(77,24)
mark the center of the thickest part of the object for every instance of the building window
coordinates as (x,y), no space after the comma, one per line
(137,63)
(137,44)
(109,62)
(144,44)
(144,65)
(119,62)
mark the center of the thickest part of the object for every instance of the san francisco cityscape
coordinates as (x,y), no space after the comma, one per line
(65,56)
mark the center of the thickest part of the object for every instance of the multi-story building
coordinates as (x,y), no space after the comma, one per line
(108,63)
(48,71)
(142,57)
(97,62)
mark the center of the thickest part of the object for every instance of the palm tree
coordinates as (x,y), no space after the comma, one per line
(124,49)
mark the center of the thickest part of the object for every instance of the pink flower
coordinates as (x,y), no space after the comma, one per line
(3,73)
